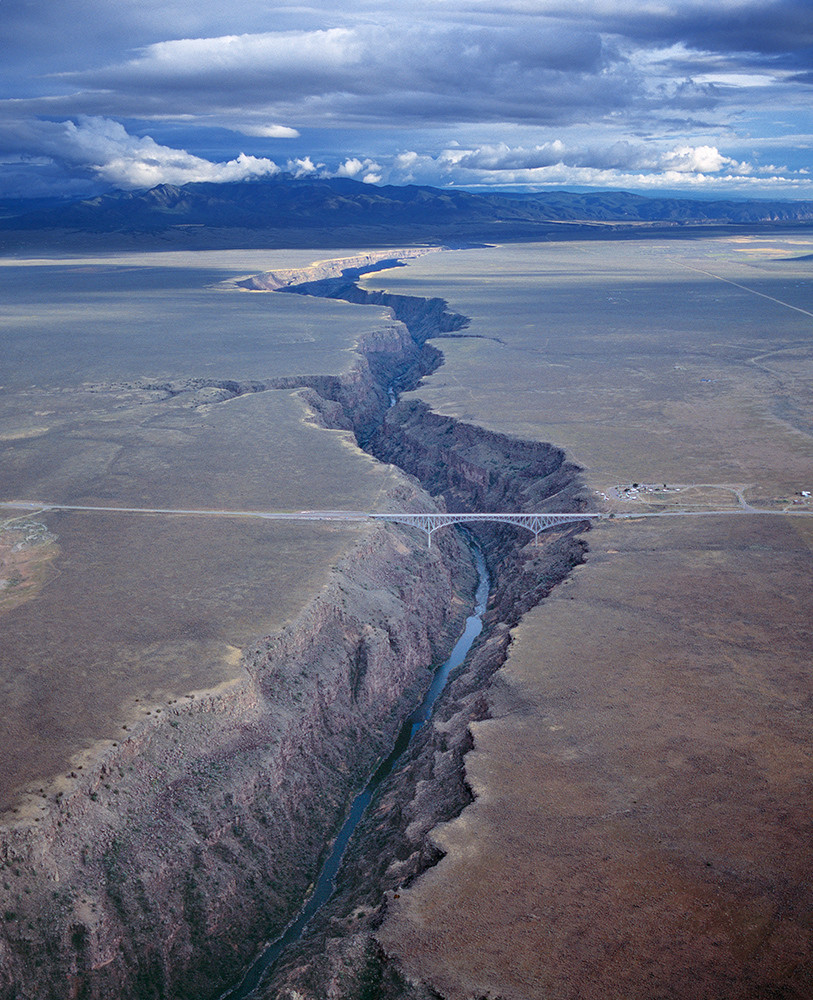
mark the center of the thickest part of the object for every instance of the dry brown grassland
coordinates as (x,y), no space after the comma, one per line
(106,617)
(642,822)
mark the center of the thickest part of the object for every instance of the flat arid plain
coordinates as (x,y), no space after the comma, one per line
(191,701)
(111,397)
(641,825)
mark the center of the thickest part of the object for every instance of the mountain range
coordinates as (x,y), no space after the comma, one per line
(306,211)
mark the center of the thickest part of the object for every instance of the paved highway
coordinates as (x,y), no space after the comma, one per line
(300,515)
(360,515)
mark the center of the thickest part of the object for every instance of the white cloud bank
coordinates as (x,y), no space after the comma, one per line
(105,149)
(125,161)
(621,164)
(100,148)
(130,162)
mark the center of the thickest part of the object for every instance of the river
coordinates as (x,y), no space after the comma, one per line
(326,882)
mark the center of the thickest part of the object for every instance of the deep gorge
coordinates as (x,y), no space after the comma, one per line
(469,468)
(230,835)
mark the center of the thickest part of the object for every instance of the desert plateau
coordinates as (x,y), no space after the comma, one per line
(611,796)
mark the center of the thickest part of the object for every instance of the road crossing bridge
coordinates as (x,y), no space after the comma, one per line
(428,523)
(535,523)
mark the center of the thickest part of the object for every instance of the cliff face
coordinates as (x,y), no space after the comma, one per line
(198,836)
(322,270)
(468,468)
(201,832)
(471,466)
(339,955)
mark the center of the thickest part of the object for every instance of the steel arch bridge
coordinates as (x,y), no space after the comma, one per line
(535,523)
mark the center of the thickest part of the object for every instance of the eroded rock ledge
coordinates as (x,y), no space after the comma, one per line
(199,835)
(321,270)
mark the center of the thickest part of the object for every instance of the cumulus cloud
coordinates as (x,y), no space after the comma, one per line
(683,90)
(492,160)
(366,170)
(698,160)
(105,149)
(622,164)
(351,167)
(303,167)
(128,161)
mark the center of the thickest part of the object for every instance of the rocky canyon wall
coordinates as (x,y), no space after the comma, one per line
(196,837)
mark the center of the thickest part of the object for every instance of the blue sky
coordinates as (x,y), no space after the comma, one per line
(706,98)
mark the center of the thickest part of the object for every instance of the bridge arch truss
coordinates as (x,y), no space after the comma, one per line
(534,522)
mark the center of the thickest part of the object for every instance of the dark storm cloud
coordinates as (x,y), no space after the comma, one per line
(523,62)
(419,73)
(781,28)
(674,75)
(756,26)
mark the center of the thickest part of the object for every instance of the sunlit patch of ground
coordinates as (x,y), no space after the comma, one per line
(23,434)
